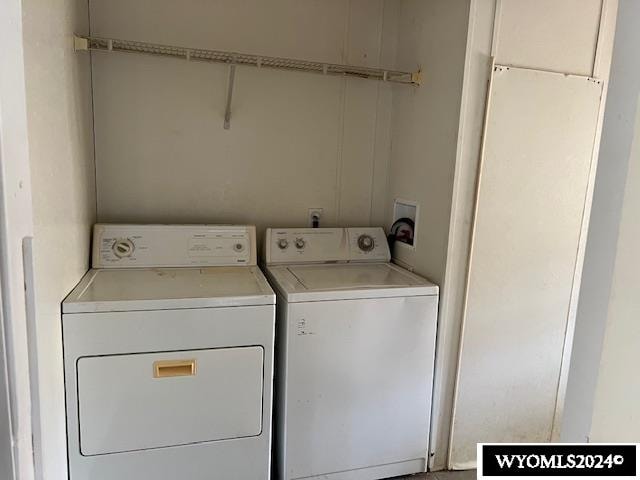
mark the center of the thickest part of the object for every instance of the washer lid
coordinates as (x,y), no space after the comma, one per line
(299,283)
(119,290)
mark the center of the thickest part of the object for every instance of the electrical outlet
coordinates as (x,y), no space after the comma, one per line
(315,214)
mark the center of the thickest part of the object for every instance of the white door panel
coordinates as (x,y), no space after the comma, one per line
(136,402)
(534,180)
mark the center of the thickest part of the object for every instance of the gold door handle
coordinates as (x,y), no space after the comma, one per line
(174,368)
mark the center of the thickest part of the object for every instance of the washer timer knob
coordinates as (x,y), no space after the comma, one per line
(283,243)
(366,243)
(300,243)
(123,248)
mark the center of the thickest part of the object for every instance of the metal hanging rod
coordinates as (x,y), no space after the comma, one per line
(259,61)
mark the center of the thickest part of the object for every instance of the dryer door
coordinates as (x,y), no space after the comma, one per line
(146,401)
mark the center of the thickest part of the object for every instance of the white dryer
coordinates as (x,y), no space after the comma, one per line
(355,355)
(168,349)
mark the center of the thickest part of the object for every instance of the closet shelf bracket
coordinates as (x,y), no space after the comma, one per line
(227,112)
(80,44)
(86,43)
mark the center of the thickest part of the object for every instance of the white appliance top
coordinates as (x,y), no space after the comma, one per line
(118,290)
(339,281)
(140,246)
(159,267)
(324,245)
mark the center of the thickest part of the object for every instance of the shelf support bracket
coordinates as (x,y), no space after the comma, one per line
(227,113)
(416,78)
(80,44)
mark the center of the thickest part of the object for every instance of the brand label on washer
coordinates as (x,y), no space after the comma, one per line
(303,328)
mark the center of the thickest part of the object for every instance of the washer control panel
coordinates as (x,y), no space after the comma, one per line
(323,245)
(130,246)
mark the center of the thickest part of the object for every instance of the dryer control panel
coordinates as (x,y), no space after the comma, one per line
(131,246)
(325,245)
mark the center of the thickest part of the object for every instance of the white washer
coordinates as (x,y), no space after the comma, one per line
(355,355)
(168,354)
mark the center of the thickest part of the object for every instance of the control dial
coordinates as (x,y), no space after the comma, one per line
(366,243)
(300,243)
(123,248)
(283,243)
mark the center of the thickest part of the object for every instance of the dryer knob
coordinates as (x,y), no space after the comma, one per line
(123,248)
(300,243)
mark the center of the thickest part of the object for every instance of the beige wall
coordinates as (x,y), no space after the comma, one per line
(62,175)
(431,36)
(296,140)
(616,416)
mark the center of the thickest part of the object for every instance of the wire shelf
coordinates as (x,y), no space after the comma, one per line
(234,58)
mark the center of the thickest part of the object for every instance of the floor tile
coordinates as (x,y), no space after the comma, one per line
(456,475)
(419,476)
